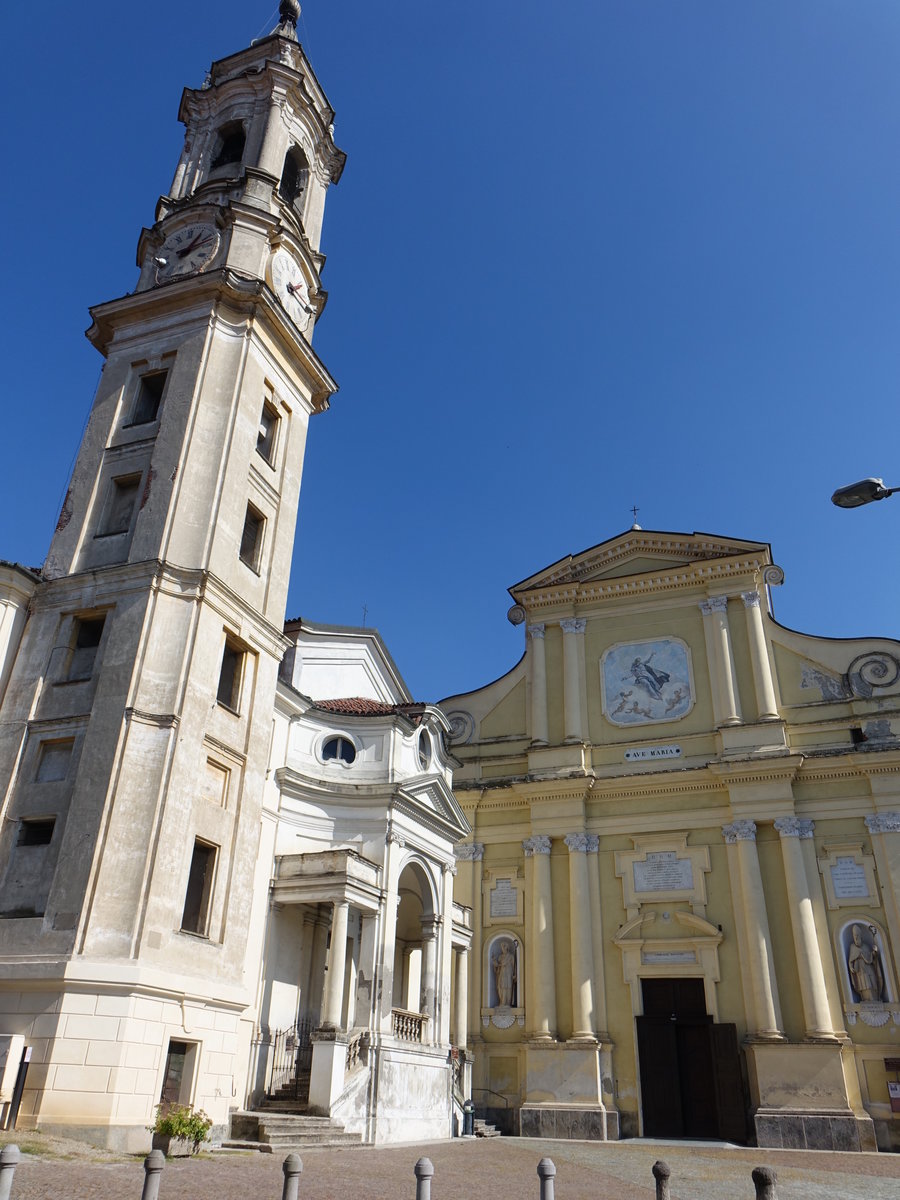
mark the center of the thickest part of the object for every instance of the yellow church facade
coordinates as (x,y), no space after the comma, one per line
(684,871)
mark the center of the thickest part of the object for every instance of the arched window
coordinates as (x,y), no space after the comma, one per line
(294,178)
(229,145)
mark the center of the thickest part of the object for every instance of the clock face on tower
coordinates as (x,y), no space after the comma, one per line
(188,249)
(291,288)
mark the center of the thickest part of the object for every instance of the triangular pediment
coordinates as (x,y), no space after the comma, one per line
(637,552)
(433,797)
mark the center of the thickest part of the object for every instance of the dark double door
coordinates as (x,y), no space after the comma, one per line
(691,1082)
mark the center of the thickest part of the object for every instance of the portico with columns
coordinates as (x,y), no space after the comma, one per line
(685,817)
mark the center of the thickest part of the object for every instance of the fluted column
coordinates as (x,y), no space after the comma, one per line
(473,852)
(539,730)
(333,1001)
(543,971)
(750,906)
(766,706)
(715,614)
(573,653)
(884,828)
(813,994)
(460,1023)
(580,845)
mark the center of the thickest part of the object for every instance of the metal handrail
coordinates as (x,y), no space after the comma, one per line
(491,1092)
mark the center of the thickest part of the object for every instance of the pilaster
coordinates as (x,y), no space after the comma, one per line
(539,727)
(718,636)
(573,655)
(543,972)
(580,845)
(766,705)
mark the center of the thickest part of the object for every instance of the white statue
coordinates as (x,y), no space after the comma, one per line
(864,965)
(504,966)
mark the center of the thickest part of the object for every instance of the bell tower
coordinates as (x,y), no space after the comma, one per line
(135,725)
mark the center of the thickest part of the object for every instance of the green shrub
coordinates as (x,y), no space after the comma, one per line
(180,1121)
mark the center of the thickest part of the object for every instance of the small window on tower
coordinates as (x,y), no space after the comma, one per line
(149,398)
(121,499)
(54,759)
(195,917)
(36,831)
(86,643)
(294,178)
(268,429)
(229,145)
(228,692)
(252,538)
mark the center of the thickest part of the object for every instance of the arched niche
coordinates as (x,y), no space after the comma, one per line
(867,972)
(504,982)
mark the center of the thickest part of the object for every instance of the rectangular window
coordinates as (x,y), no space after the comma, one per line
(121,499)
(252,538)
(268,429)
(195,918)
(36,831)
(53,761)
(229,689)
(149,398)
(86,642)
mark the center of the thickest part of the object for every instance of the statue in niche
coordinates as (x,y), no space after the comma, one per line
(503,963)
(864,965)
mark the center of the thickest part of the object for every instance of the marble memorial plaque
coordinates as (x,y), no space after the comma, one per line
(663,871)
(503,899)
(848,879)
(668,956)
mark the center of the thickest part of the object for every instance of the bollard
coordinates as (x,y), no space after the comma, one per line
(153,1165)
(9,1156)
(292,1166)
(546,1174)
(424,1172)
(661,1173)
(764,1181)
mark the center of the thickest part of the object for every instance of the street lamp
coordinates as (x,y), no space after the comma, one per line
(864,492)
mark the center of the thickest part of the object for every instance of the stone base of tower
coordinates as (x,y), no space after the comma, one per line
(102,1055)
(801,1100)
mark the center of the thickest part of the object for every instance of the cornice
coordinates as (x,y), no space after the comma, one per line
(682,578)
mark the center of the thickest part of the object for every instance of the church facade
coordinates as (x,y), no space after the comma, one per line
(684,870)
(646,883)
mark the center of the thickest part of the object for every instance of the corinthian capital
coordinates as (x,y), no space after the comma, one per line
(582,843)
(539,844)
(713,605)
(750,599)
(886,822)
(739,831)
(469,852)
(536,631)
(795,827)
(573,625)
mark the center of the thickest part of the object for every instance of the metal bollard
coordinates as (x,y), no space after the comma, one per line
(9,1156)
(153,1165)
(424,1172)
(763,1180)
(661,1173)
(546,1173)
(292,1166)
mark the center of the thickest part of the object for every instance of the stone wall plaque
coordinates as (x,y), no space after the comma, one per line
(848,878)
(663,871)
(504,902)
(668,956)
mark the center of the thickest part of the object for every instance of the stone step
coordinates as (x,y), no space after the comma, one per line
(327,1137)
(483,1129)
(278,1117)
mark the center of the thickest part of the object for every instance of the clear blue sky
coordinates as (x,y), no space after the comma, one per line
(583,256)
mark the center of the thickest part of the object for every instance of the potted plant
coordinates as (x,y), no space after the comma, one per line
(178,1130)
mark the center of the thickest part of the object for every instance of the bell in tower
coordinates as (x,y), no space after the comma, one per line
(137,710)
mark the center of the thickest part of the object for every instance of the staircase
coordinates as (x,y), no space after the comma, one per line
(279,1130)
(484,1129)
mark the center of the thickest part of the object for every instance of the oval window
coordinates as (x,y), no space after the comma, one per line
(424,751)
(339,748)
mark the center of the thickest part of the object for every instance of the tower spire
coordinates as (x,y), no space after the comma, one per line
(288,12)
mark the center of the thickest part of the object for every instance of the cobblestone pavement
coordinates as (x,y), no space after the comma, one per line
(494,1168)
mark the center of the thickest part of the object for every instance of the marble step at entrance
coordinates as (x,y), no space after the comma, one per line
(270,1131)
